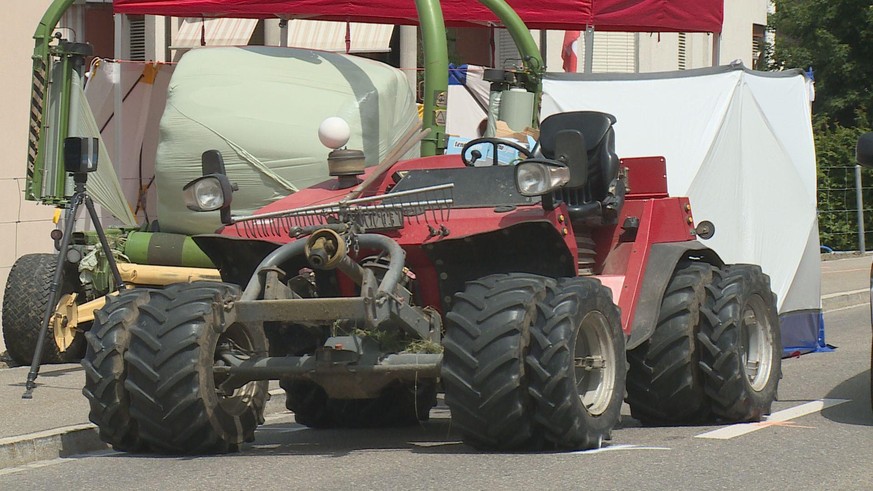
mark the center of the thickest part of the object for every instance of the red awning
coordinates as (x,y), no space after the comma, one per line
(603,15)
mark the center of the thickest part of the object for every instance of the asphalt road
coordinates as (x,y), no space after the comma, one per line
(845,275)
(827,449)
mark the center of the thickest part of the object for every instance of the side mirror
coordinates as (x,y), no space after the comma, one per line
(80,154)
(864,150)
(571,150)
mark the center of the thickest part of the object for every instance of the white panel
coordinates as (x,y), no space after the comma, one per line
(739,145)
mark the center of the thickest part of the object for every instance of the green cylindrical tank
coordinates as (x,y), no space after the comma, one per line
(163,249)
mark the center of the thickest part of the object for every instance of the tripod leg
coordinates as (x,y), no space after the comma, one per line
(113,266)
(55,296)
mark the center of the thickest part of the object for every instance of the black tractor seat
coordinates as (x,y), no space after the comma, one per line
(599,200)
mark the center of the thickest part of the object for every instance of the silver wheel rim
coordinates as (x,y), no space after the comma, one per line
(757,343)
(594,363)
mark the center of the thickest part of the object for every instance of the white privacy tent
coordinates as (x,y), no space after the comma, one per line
(739,144)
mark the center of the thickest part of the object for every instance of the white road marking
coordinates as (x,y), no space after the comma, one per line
(841,294)
(613,448)
(865,305)
(736,430)
(843,270)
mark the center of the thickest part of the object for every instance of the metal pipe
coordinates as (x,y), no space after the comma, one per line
(436,75)
(859,197)
(395,264)
(274,259)
(589,50)
(425,365)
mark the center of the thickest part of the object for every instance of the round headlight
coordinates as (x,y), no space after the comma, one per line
(536,178)
(207,193)
(531,180)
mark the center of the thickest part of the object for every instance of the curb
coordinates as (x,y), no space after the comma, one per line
(78,439)
(50,444)
(843,300)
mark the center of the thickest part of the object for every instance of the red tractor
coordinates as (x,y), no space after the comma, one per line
(524,292)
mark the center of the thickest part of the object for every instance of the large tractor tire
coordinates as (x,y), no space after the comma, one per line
(741,344)
(665,383)
(483,370)
(174,347)
(25,299)
(105,370)
(577,365)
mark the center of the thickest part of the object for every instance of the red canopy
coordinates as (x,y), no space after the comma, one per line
(603,15)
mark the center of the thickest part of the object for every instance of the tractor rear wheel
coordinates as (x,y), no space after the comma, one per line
(105,370)
(175,394)
(483,370)
(25,299)
(577,364)
(741,344)
(665,385)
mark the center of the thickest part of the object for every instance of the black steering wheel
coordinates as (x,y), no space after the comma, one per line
(495,143)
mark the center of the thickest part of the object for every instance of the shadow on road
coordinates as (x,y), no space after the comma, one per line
(857,411)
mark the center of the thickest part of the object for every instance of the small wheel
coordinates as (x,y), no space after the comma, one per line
(665,385)
(106,372)
(483,370)
(309,403)
(25,299)
(175,396)
(577,365)
(400,404)
(741,344)
(495,144)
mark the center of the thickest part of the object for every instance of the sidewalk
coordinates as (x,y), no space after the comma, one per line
(55,422)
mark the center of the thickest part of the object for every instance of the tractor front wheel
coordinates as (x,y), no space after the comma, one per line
(176,396)
(483,370)
(577,365)
(105,370)
(741,344)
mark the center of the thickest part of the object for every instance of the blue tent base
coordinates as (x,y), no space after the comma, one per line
(803,332)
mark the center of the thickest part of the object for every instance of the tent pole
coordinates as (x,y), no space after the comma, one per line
(716,48)
(589,50)
(409,55)
(119,90)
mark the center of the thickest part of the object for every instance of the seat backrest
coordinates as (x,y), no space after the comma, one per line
(596,127)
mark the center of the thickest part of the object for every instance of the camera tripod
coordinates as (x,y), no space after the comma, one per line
(80,196)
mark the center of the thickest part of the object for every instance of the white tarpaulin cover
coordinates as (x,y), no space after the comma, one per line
(261,108)
(739,144)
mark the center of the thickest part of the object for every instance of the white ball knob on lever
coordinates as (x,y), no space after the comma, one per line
(334,132)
